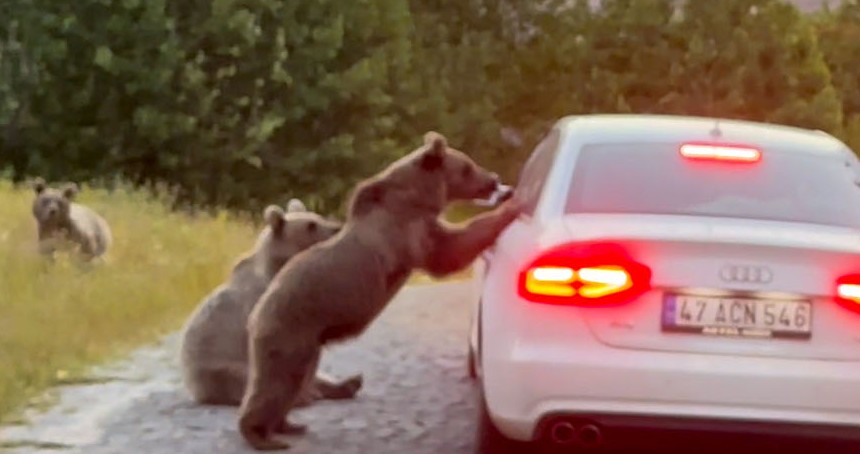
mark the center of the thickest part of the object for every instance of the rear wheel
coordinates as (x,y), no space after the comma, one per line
(473,373)
(472,357)
(489,440)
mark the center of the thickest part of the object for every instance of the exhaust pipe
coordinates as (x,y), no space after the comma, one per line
(590,435)
(562,433)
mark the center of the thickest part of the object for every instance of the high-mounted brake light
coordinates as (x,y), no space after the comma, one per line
(586,274)
(848,291)
(720,152)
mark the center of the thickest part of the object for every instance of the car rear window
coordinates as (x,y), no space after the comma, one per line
(656,179)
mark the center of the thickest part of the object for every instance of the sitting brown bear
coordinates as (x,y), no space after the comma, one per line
(61,220)
(334,290)
(214,350)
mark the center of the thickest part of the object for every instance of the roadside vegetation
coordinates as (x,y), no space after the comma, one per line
(56,319)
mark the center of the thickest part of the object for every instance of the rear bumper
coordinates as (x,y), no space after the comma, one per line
(531,384)
(657,433)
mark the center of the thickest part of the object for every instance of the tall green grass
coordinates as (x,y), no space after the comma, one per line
(55,320)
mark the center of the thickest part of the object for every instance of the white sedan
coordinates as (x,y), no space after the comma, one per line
(672,273)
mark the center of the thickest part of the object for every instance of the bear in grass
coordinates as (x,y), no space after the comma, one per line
(62,222)
(213,353)
(334,290)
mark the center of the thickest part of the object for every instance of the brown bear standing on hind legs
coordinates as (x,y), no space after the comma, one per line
(61,220)
(214,350)
(334,290)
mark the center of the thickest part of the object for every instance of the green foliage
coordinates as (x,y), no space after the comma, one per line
(754,59)
(95,65)
(240,103)
(749,59)
(459,54)
(234,102)
(289,97)
(839,39)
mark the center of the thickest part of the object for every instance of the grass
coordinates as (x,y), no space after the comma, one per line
(56,320)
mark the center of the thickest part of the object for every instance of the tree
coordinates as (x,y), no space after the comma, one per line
(290,97)
(582,59)
(752,59)
(463,51)
(96,63)
(233,103)
(838,33)
(241,103)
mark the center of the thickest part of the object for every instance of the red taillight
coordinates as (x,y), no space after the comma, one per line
(584,274)
(848,291)
(720,152)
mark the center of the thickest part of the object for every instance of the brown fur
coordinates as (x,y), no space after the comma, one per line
(334,290)
(61,222)
(214,350)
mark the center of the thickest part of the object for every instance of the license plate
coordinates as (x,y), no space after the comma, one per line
(742,317)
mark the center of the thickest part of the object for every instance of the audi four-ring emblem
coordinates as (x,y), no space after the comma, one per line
(749,274)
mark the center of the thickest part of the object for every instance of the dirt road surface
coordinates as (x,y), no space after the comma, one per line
(416,396)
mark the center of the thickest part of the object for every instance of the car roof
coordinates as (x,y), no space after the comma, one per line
(645,128)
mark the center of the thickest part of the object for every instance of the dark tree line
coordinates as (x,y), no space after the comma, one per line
(240,103)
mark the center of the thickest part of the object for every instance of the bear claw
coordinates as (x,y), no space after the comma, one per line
(291,428)
(354,383)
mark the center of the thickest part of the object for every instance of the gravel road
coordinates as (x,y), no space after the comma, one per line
(416,396)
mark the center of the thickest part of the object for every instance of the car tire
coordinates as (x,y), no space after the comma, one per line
(472,360)
(488,439)
(473,373)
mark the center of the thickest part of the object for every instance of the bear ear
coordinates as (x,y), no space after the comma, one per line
(70,190)
(434,154)
(433,136)
(274,216)
(296,206)
(38,185)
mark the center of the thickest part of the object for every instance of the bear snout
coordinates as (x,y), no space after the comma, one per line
(491,185)
(49,213)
